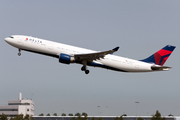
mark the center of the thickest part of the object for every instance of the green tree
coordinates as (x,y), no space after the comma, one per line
(41,114)
(140,118)
(73,118)
(18,117)
(70,114)
(11,118)
(92,118)
(117,118)
(100,118)
(157,116)
(84,114)
(170,115)
(63,114)
(85,117)
(3,117)
(79,118)
(21,117)
(48,114)
(28,117)
(121,118)
(55,114)
(77,114)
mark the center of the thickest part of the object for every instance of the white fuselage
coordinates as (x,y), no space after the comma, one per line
(54,49)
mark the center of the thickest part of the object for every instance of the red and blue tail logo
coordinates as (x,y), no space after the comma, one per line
(160,57)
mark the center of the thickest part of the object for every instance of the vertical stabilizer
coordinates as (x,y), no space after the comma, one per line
(160,57)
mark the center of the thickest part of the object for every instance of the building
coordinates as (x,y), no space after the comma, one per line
(25,106)
(16,107)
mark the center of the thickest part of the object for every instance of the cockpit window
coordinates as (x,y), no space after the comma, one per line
(11,37)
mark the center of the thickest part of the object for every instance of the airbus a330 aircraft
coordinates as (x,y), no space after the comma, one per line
(70,54)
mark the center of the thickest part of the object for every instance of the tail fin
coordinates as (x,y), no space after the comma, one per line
(160,57)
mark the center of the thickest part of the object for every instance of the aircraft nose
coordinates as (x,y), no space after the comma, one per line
(7,39)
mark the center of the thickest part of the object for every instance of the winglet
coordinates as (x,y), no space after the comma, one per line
(115,49)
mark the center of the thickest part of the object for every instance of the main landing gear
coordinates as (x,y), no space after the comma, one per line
(19,52)
(84,67)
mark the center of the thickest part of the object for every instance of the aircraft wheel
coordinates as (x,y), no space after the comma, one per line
(83,68)
(87,71)
(19,54)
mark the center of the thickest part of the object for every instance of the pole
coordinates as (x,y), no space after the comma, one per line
(107,110)
(136,108)
(98,109)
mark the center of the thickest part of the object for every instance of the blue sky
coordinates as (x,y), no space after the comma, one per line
(138,27)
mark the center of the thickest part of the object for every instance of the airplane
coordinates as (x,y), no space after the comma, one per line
(68,54)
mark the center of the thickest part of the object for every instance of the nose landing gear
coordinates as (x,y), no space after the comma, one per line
(19,52)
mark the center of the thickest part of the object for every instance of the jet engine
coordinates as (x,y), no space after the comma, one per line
(66,59)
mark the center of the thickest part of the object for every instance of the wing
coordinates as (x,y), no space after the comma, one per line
(94,56)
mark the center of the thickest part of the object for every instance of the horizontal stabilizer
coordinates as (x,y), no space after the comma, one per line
(160,68)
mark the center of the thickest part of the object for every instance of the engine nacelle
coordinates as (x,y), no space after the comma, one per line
(66,59)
